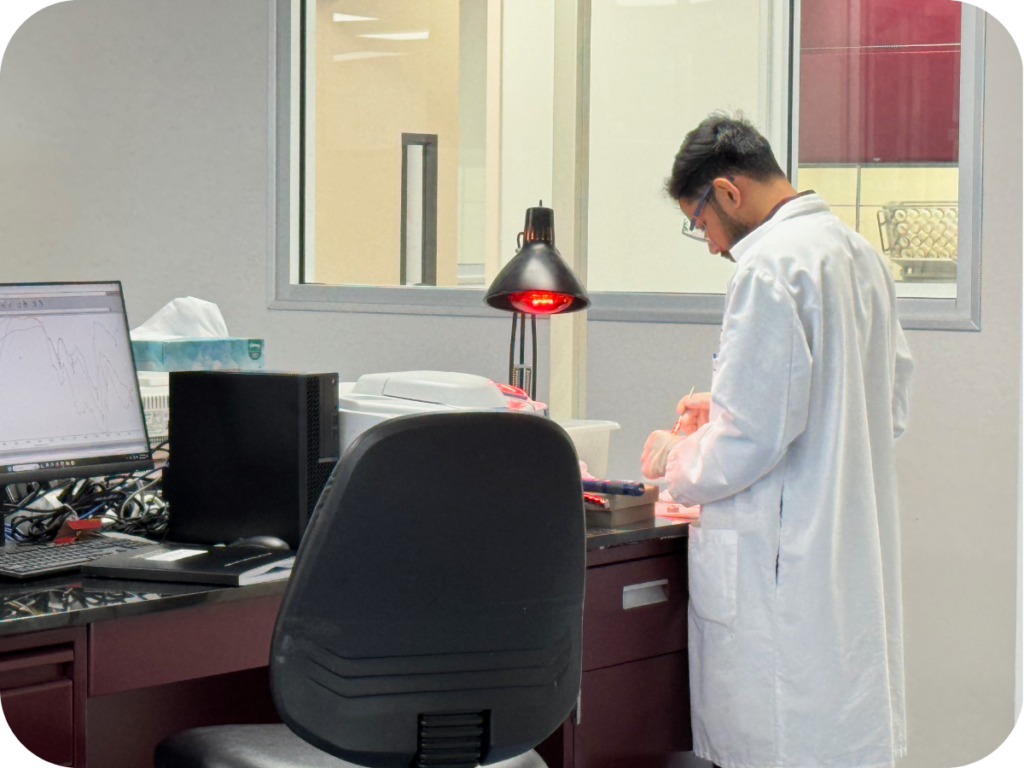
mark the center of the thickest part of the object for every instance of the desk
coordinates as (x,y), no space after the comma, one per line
(95,672)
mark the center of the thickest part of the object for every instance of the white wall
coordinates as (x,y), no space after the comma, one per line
(133,145)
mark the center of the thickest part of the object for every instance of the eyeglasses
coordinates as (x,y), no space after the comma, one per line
(691,227)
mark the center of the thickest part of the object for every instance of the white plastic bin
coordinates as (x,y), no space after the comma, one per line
(591,438)
(153,386)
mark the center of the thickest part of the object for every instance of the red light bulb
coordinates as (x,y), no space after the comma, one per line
(540,302)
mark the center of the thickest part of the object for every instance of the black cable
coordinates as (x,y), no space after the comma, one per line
(127,503)
(32,525)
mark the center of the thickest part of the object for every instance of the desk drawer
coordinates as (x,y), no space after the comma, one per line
(634,610)
(635,715)
(37,697)
(42,717)
(182,644)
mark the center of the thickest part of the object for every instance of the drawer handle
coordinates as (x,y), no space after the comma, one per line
(648,593)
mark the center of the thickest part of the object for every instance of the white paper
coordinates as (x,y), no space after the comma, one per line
(183,318)
(175,554)
(273,572)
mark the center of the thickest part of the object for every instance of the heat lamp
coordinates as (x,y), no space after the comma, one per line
(536,282)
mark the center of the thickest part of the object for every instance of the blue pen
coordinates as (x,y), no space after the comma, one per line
(614,487)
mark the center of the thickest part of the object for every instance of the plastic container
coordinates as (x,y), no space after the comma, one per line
(591,438)
(154,389)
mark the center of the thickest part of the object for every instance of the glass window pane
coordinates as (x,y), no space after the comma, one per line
(376,71)
(658,67)
(879,129)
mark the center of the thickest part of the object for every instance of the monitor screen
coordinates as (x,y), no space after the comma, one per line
(69,396)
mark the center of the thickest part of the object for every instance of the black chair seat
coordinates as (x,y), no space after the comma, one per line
(264,746)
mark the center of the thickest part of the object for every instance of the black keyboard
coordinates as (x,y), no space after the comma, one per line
(30,561)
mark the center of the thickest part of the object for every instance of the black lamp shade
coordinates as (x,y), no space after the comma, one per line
(537,281)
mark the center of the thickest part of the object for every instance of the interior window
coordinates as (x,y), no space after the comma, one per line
(880,129)
(394,142)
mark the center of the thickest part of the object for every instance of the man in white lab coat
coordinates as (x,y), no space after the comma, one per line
(795,616)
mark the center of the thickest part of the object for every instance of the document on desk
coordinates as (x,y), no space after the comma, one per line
(227,566)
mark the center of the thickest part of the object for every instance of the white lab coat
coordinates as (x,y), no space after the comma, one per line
(795,616)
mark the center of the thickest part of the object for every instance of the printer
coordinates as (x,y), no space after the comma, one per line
(379,396)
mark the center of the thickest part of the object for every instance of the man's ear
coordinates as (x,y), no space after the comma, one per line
(731,191)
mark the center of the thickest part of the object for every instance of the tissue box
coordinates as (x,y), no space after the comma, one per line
(199,354)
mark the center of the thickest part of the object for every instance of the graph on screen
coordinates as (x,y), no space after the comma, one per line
(67,379)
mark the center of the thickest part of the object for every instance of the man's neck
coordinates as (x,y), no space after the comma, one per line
(763,199)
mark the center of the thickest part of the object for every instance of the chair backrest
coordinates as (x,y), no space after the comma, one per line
(435,609)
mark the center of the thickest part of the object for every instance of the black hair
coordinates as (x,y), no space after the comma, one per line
(720,146)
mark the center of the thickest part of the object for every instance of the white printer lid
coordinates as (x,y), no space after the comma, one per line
(457,390)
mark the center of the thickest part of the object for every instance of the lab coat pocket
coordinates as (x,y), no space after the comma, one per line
(712,558)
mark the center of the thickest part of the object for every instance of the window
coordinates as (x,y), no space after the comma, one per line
(381,153)
(879,129)
(877,109)
(646,91)
(490,106)
(890,134)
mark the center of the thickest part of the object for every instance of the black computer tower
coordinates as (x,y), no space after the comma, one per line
(250,452)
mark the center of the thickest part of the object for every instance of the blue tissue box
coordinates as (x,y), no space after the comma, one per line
(199,355)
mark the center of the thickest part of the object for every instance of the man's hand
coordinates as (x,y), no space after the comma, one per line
(694,412)
(656,451)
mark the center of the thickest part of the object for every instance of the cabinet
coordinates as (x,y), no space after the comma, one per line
(42,692)
(634,715)
(103,693)
(879,81)
(634,708)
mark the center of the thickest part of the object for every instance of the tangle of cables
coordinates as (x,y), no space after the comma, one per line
(127,503)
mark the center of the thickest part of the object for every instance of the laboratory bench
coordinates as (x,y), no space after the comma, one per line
(96,672)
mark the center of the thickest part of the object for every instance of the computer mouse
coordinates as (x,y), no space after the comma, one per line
(267,542)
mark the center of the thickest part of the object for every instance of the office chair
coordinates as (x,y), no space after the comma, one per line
(434,614)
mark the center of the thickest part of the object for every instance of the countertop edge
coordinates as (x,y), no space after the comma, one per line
(212,595)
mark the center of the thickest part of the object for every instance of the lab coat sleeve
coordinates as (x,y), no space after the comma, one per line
(902,377)
(759,396)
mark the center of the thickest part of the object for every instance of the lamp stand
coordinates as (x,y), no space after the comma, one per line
(522,375)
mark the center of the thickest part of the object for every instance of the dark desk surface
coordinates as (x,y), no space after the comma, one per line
(71,599)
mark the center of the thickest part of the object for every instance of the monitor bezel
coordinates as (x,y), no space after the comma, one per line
(116,467)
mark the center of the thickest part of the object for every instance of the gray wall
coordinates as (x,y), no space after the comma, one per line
(959,470)
(133,145)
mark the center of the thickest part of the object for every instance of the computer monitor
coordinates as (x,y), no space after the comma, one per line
(69,395)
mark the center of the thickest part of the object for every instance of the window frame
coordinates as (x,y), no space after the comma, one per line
(286,292)
(428,213)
